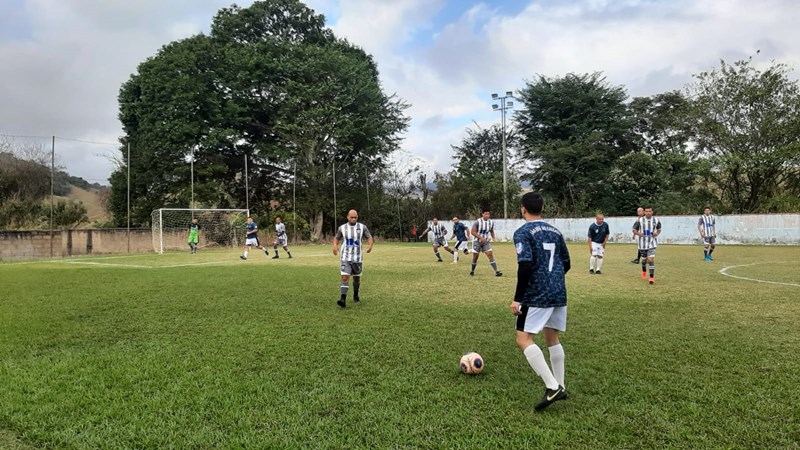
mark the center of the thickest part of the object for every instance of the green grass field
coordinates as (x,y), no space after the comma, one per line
(207,351)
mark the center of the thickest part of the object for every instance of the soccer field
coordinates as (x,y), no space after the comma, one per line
(208,351)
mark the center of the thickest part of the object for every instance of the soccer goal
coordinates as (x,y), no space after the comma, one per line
(219,228)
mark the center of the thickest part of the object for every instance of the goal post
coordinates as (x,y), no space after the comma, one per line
(219,228)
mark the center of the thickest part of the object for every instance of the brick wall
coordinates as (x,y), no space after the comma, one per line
(16,245)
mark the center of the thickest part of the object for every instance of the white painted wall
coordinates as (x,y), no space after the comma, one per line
(771,229)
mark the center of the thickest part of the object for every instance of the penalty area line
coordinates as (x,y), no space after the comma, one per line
(724,271)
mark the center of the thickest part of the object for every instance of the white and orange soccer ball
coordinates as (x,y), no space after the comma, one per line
(472,363)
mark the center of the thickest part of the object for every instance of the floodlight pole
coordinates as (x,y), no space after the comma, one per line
(246,186)
(129,196)
(503,107)
(191,205)
(52,189)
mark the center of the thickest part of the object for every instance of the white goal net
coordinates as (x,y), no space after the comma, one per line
(219,228)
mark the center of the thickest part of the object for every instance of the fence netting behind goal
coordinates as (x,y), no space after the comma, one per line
(219,228)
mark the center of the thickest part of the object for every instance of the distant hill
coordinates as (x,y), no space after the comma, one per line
(92,199)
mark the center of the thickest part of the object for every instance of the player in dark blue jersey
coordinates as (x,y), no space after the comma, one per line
(460,232)
(251,239)
(540,301)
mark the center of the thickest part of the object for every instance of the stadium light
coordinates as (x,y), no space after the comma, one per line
(504,106)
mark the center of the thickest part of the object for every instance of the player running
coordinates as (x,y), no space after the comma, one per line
(439,237)
(647,229)
(251,239)
(460,232)
(280,238)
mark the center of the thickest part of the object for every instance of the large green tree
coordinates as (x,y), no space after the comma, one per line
(746,122)
(476,181)
(270,87)
(573,128)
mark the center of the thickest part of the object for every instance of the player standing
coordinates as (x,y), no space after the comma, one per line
(193,235)
(648,228)
(351,235)
(707,226)
(251,239)
(598,236)
(481,230)
(280,238)
(540,300)
(460,232)
(439,237)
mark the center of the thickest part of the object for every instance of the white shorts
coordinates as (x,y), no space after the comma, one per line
(597,249)
(460,245)
(281,240)
(534,320)
(251,241)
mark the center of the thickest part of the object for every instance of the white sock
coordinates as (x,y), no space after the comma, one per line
(599,263)
(557,362)
(535,358)
(455,256)
(245,254)
(592,260)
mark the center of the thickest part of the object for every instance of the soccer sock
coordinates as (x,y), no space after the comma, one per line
(494,265)
(599,263)
(644,264)
(652,268)
(592,260)
(356,285)
(455,256)
(245,254)
(343,288)
(705,251)
(287,251)
(557,362)
(535,358)
(436,252)
(473,266)
(710,251)
(276,251)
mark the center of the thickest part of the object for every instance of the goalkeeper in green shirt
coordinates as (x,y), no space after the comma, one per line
(193,235)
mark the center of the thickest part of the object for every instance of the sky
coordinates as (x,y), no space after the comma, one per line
(62,62)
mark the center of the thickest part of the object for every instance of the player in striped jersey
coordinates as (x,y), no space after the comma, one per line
(707,226)
(280,238)
(351,235)
(481,230)
(439,237)
(647,229)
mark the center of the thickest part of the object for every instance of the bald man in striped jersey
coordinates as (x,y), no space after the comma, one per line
(351,235)
(481,230)
(707,226)
(647,229)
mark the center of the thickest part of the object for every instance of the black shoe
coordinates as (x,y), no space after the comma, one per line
(275,257)
(498,274)
(635,261)
(242,257)
(466,252)
(356,300)
(341,303)
(598,272)
(290,256)
(551,396)
(472,274)
(439,260)
(591,271)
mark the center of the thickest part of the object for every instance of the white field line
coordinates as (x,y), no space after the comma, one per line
(95,263)
(724,271)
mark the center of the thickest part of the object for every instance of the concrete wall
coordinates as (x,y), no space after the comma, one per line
(16,245)
(773,229)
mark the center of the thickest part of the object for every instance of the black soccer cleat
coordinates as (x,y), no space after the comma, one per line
(591,271)
(242,257)
(275,257)
(341,303)
(635,261)
(472,274)
(440,261)
(290,256)
(551,396)
(598,272)
(356,300)
(498,274)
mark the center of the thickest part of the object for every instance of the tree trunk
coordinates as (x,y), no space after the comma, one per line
(316,227)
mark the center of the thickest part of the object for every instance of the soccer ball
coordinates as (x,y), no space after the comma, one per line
(472,363)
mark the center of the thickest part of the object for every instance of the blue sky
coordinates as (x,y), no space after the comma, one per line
(62,62)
